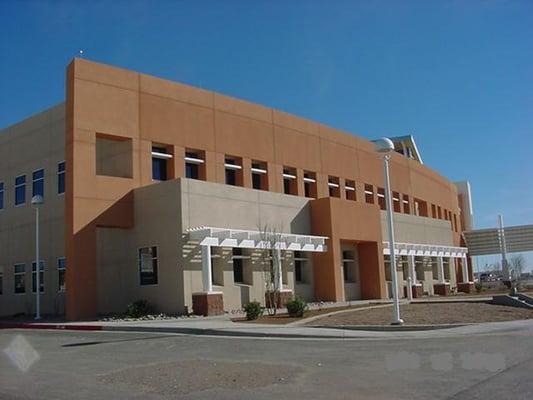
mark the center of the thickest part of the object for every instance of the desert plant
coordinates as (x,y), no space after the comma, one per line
(253,310)
(138,309)
(296,307)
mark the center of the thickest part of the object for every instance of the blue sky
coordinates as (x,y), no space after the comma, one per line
(458,75)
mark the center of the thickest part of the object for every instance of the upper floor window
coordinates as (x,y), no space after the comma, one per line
(38,183)
(1,195)
(369,194)
(396,206)
(259,175)
(381,199)
(160,161)
(310,184)
(233,171)
(194,164)
(406,206)
(349,188)
(61,177)
(20,190)
(290,185)
(148,265)
(334,186)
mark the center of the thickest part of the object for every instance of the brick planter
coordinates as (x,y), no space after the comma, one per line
(465,287)
(418,291)
(442,289)
(282,298)
(208,304)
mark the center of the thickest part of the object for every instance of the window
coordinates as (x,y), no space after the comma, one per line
(1,195)
(233,171)
(34,277)
(381,199)
(290,186)
(421,208)
(406,207)
(439,212)
(1,281)
(334,187)
(300,263)
(20,190)
(148,265)
(369,194)
(349,187)
(310,184)
(194,164)
(38,183)
(238,270)
(20,278)
(259,175)
(114,156)
(455,222)
(348,261)
(61,177)
(61,268)
(396,206)
(160,163)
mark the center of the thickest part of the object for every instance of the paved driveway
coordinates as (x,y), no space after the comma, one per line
(114,365)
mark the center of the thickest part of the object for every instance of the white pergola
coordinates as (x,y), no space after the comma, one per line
(250,239)
(412,250)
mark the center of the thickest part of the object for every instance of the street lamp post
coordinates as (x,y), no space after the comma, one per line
(385,146)
(36,202)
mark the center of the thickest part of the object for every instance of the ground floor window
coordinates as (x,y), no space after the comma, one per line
(300,264)
(20,278)
(61,268)
(148,265)
(238,265)
(34,277)
(348,266)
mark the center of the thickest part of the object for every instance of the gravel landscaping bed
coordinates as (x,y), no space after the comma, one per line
(434,313)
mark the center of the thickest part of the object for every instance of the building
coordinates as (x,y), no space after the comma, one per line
(160,191)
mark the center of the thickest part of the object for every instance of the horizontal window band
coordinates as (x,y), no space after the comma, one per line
(350,188)
(309,180)
(258,171)
(164,156)
(193,160)
(232,166)
(334,185)
(289,176)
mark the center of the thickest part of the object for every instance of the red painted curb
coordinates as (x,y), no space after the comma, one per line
(50,326)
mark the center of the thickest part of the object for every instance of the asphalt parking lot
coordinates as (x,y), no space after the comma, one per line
(113,365)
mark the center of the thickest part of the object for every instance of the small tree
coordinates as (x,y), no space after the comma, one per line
(516,267)
(270,257)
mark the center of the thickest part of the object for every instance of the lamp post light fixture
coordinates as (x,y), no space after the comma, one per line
(385,147)
(37,201)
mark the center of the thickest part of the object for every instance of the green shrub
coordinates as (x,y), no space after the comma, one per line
(253,310)
(479,287)
(138,309)
(296,307)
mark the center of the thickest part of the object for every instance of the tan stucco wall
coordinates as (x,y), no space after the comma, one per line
(35,143)
(421,230)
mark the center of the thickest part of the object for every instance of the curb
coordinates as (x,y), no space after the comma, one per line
(305,321)
(30,325)
(392,328)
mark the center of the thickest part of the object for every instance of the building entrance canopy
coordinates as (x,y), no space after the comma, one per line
(249,239)
(429,250)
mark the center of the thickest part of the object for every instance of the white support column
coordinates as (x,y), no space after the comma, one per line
(207,279)
(464,266)
(412,269)
(440,263)
(279,272)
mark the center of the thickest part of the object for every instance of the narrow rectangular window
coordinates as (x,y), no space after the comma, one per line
(160,163)
(233,171)
(300,264)
(334,186)
(396,202)
(369,194)
(290,185)
(20,278)
(433,211)
(1,281)
(349,187)
(238,270)
(310,184)
(1,195)
(38,183)
(148,265)
(259,175)
(406,207)
(194,164)
(381,199)
(20,190)
(61,269)
(34,277)
(61,177)
(348,261)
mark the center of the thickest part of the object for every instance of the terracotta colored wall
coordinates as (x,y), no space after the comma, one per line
(111,101)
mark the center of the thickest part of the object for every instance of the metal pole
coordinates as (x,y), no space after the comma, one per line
(396,320)
(37,267)
(503,245)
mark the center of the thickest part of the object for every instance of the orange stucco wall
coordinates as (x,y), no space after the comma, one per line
(106,100)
